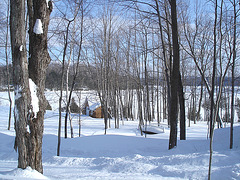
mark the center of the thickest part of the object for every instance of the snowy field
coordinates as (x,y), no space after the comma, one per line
(122,153)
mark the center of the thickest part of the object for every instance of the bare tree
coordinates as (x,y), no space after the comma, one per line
(174,78)
(235,15)
(212,119)
(76,69)
(7,66)
(29,78)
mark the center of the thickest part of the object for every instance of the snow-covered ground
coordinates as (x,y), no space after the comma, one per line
(122,153)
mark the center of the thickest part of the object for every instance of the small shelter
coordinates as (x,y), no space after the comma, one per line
(95,110)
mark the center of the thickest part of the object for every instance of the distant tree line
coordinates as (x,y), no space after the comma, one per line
(53,76)
(85,78)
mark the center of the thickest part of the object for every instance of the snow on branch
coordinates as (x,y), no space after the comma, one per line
(38,29)
(34,98)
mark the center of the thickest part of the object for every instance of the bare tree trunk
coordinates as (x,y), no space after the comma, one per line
(69,98)
(79,114)
(152,89)
(174,78)
(61,91)
(75,73)
(212,91)
(233,71)
(7,68)
(20,80)
(147,110)
(200,101)
(38,63)
(167,68)
(159,95)
(30,103)
(182,110)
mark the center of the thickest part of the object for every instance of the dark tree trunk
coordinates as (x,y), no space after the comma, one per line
(20,80)
(174,79)
(212,91)
(29,112)
(75,74)
(182,110)
(39,60)
(233,70)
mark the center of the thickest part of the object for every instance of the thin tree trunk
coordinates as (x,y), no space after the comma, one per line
(167,68)
(212,92)
(79,115)
(61,91)
(7,68)
(233,71)
(74,80)
(158,95)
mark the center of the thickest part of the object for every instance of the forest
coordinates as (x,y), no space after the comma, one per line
(146,61)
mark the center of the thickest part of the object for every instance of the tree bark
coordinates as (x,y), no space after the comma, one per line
(174,79)
(20,80)
(233,71)
(212,92)
(29,112)
(39,60)
(182,110)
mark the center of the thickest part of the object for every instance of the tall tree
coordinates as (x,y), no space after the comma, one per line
(29,78)
(234,4)
(174,78)
(7,66)
(76,69)
(212,122)
(20,79)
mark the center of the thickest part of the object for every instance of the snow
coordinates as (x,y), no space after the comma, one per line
(28,173)
(123,153)
(38,28)
(95,106)
(18,93)
(34,98)
(47,3)
(21,48)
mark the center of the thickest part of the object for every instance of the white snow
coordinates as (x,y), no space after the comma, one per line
(21,48)
(123,153)
(38,28)
(95,106)
(28,173)
(34,98)
(47,3)
(28,129)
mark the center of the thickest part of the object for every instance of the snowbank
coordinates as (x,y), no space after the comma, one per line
(123,153)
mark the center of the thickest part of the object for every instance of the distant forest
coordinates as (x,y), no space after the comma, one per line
(86,78)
